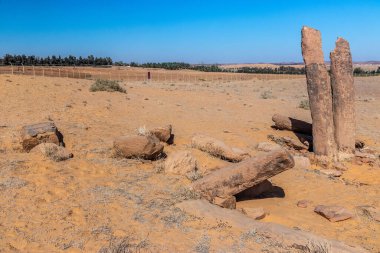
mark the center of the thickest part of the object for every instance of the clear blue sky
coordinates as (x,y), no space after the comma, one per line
(191,31)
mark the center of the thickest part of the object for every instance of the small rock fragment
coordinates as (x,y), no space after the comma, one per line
(303,203)
(290,143)
(267,146)
(333,213)
(225,202)
(254,213)
(332,173)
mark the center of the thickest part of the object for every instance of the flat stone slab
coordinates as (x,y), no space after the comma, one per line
(333,213)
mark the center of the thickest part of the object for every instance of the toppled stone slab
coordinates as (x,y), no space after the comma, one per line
(218,148)
(287,123)
(236,178)
(53,152)
(180,163)
(333,213)
(162,133)
(144,147)
(32,135)
(271,234)
(254,213)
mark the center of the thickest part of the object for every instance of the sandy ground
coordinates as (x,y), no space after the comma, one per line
(94,200)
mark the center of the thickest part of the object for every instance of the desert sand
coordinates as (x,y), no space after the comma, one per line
(94,200)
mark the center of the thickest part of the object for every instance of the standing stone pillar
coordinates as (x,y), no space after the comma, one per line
(342,83)
(320,95)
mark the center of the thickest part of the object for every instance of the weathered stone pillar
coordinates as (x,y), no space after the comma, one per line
(342,83)
(320,95)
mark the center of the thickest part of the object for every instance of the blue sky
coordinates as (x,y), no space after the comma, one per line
(190,31)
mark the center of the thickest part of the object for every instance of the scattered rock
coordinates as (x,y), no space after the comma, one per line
(255,191)
(180,163)
(144,147)
(291,239)
(162,133)
(333,213)
(254,213)
(225,202)
(339,166)
(290,143)
(301,162)
(303,203)
(267,146)
(217,148)
(370,212)
(32,135)
(331,173)
(365,157)
(53,152)
(359,144)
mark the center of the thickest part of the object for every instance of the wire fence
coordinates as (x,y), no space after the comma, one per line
(139,74)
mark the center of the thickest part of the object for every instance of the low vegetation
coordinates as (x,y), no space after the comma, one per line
(304,104)
(107,85)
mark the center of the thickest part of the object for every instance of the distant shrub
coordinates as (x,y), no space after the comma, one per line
(267,95)
(107,85)
(304,104)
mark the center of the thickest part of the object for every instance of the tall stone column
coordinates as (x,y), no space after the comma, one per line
(342,83)
(320,94)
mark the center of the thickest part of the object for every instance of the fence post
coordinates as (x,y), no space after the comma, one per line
(43,72)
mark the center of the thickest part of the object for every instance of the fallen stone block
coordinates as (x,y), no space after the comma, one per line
(32,135)
(234,179)
(144,147)
(180,163)
(331,172)
(254,213)
(53,152)
(333,213)
(287,123)
(162,133)
(290,240)
(218,148)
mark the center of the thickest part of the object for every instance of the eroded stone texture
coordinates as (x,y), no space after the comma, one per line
(33,135)
(144,147)
(234,179)
(342,83)
(320,94)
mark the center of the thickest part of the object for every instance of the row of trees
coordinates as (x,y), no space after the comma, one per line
(54,60)
(216,68)
(361,72)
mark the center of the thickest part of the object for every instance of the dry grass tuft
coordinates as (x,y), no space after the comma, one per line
(107,85)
